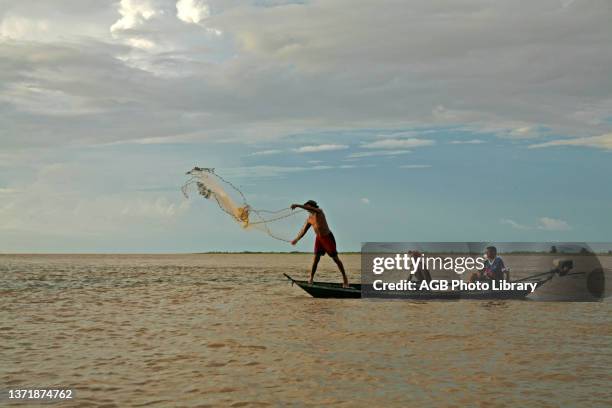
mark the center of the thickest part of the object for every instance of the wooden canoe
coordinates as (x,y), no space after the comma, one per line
(335,290)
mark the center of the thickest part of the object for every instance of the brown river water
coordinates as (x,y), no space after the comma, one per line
(229,330)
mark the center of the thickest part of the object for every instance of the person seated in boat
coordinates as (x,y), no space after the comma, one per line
(324,241)
(493,270)
(562,267)
(421,274)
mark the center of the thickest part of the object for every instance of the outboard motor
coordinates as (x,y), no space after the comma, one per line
(577,277)
(562,266)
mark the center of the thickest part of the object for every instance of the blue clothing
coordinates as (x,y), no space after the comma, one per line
(494,269)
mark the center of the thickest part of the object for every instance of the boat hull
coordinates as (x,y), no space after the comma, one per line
(336,291)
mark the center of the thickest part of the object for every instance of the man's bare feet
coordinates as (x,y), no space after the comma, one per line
(346,285)
(310,281)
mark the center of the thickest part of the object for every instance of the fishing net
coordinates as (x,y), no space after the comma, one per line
(232,201)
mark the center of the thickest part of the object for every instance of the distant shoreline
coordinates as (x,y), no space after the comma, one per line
(559,254)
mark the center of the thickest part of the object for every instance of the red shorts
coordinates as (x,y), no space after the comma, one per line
(325,244)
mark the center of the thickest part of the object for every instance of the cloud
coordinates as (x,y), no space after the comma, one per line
(415,166)
(16,27)
(508,129)
(514,224)
(159,207)
(320,148)
(33,99)
(266,152)
(543,223)
(552,224)
(66,199)
(72,215)
(365,200)
(303,149)
(477,54)
(398,143)
(600,142)
(49,22)
(141,43)
(192,11)
(472,141)
(359,155)
(264,171)
(134,13)
(526,132)
(137,65)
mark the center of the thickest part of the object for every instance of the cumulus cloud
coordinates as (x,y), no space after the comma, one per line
(192,11)
(320,148)
(133,13)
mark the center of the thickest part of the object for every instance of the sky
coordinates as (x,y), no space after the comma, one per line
(471,120)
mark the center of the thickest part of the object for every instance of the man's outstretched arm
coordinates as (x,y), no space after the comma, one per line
(303,232)
(306,207)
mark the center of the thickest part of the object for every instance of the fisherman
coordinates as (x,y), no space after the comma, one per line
(324,241)
(421,273)
(493,270)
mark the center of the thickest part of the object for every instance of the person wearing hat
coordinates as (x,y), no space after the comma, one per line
(324,241)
